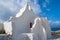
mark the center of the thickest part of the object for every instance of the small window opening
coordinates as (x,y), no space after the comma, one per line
(30,25)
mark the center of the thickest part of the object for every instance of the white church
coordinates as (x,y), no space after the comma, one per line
(26,25)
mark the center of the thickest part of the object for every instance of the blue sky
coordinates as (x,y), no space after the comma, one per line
(43,8)
(51,9)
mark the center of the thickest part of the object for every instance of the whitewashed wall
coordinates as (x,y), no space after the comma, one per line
(8,28)
(21,23)
(39,32)
(46,26)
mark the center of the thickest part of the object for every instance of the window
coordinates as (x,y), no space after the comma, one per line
(30,24)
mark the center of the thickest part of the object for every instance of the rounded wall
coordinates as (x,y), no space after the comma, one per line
(46,26)
(38,30)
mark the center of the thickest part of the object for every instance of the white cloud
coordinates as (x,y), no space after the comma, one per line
(36,8)
(45,3)
(12,7)
(35,1)
(8,4)
(55,24)
(48,9)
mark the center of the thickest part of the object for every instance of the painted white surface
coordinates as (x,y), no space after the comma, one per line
(46,26)
(30,35)
(22,22)
(19,26)
(21,37)
(8,28)
(38,30)
(24,36)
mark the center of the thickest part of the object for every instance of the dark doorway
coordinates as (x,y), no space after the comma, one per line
(30,24)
